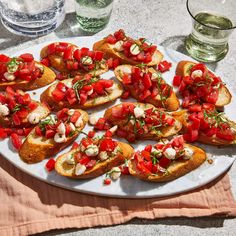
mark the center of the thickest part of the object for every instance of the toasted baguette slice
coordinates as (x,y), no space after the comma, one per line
(170,104)
(67,170)
(224,96)
(57,62)
(165,131)
(182,116)
(47,97)
(175,170)
(42,110)
(36,148)
(109,51)
(47,77)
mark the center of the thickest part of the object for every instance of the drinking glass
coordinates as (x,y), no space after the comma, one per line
(93,15)
(32,17)
(213,22)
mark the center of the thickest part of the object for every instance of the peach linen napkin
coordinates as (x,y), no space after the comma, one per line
(29,206)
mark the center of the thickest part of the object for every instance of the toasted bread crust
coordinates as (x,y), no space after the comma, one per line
(47,98)
(35,149)
(57,62)
(111,53)
(47,77)
(224,97)
(175,170)
(7,123)
(170,104)
(166,131)
(101,168)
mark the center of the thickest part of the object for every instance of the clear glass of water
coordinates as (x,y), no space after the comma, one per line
(32,17)
(213,22)
(93,15)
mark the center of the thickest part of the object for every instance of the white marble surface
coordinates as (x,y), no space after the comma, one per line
(165,22)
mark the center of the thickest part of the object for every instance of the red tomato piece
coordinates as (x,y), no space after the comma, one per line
(107,144)
(125,94)
(177,80)
(148,148)
(75,116)
(84,160)
(91,164)
(50,134)
(107,181)
(38,131)
(45,61)
(164,66)
(145,94)
(50,165)
(74,146)
(195,108)
(124,170)
(91,134)
(16,141)
(126,79)
(68,53)
(225,135)
(164,162)
(58,95)
(27,57)
(3,133)
(51,48)
(111,39)
(147,81)
(84,51)
(98,56)
(146,155)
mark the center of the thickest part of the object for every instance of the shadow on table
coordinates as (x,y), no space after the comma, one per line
(177,43)
(68,28)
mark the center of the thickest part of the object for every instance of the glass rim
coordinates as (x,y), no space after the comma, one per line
(233,27)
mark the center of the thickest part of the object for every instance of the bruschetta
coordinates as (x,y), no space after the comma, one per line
(81,92)
(207,125)
(52,134)
(18,110)
(141,121)
(68,58)
(128,50)
(93,157)
(24,73)
(147,85)
(199,85)
(166,160)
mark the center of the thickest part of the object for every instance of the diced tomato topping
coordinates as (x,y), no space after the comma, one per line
(126,79)
(74,146)
(124,170)
(75,116)
(91,134)
(91,164)
(27,57)
(38,131)
(148,148)
(164,162)
(107,181)
(50,165)
(3,133)
(101,124)
(16,141)
(84,160)
(125,94)
(111,39)
(225,135)
(164,66)
(45,61)
(98,56)
(107,144)
(50,134)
